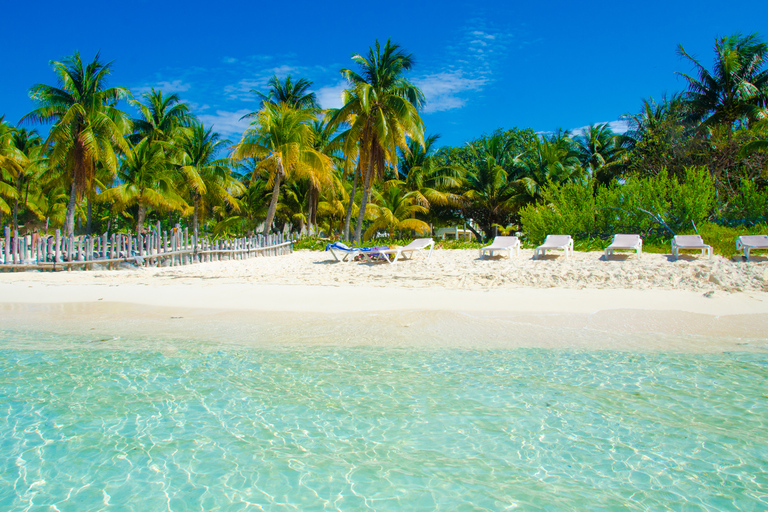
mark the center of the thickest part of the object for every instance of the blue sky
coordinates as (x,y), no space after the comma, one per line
(482,65)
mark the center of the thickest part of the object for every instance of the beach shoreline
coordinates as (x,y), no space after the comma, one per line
(449,296)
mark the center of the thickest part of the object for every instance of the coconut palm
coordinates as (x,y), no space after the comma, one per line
(488,191)
(395,210)
(208,178)
(736,90)
(88,128)
(600,151)
(423,175)
(160,118)
(552,160)
(281,138)
(295,94)
(381,108)
(327,144)
(9,169)
(29,164)
(146,179)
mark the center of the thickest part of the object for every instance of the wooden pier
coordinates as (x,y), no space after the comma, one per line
(106,252)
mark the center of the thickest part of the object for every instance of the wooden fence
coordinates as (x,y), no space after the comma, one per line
(158,248)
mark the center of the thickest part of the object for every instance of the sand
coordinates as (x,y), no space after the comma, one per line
(704,305)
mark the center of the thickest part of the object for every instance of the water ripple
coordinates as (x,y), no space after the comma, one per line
(374,429)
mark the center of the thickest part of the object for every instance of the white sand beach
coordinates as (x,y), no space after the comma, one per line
(652,295)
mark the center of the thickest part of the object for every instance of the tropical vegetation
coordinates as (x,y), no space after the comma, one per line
(690,161)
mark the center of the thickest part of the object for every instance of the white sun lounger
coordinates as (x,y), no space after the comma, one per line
(420,244)
(748,243)
(339,249)
(559,242)
(689,242)
(342,252)
(502,243)
(625,242)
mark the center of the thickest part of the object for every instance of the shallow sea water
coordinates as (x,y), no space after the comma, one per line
(190,426)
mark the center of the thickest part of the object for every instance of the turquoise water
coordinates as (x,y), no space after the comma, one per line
(203,427)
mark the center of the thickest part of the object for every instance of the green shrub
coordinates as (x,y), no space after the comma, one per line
(748,206)
(723,238)
(311,243)
(648,206)
(459,244)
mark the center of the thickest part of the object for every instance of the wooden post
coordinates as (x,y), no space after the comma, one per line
(39,249)
(112,249)
(7,246)
(165,242)
(57,248)
(186,245)
(70,250)
(88,252)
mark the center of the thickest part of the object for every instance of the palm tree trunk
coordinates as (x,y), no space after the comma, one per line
(348,218)
(273,202)
(195,215)
(16,214)
(140,217)
(310,210)
(89,221)
(69,225)
(364,200)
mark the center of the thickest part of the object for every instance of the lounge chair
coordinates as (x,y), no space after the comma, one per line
(748,243)
(689,242)
(560,242)
(343,250)
(420,244)
(625,242)
(502,243)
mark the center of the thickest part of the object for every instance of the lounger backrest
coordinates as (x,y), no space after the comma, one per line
(505,240)
(689,240)
(557,240)
(626,239)
(419,243)
(754,240)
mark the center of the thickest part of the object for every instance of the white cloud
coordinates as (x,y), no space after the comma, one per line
(165,86)
(242,89)
(229,124)
(258,82)
(229,60)
(330,96)
(442,90)
(618,126)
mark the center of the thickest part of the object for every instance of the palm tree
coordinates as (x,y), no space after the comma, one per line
(209,178)
(9,168)
(600,150)
(422,174)
(552,160)
(395,210)
(381,108)
(145,179)
(161,117)
(327,144)
(488,191)
(88,128)
(29,161)
(281,138)
(736,90)
(295,94)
